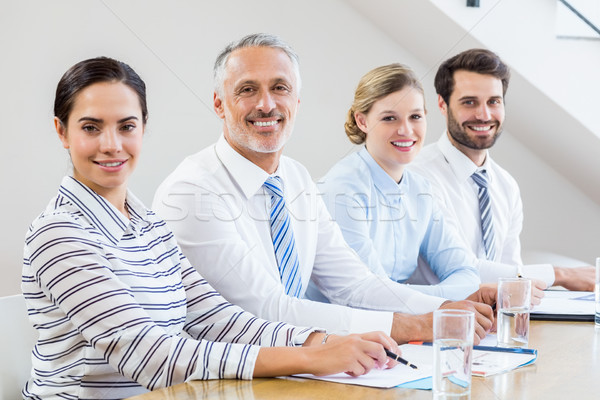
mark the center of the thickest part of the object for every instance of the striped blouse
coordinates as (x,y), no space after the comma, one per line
(110,297)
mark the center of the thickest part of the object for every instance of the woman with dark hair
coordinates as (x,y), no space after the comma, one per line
(109,290)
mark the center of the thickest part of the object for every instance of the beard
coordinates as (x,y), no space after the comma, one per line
(460,135)
(260,142)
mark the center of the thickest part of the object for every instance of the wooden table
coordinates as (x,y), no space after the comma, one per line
(568,367)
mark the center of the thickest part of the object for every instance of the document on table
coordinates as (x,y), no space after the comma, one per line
(565,305)
(421,356)
(487,360)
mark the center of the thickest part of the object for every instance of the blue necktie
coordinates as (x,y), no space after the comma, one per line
(283,239)
(485,208)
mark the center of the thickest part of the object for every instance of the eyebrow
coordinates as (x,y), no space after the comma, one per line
(257,82)
(394,112)
(476,98)
(282,80)
(92,119)
(245,82)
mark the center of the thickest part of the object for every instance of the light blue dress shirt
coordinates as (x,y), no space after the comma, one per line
(390,225)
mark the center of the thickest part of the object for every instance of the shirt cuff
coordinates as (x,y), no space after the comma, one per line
(541,272)
(299,339)
(367,321)
(490,271)
(421,303)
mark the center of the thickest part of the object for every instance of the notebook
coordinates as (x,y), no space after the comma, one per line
(564,305)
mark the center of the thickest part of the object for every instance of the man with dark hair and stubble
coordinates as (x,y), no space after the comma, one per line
(482,198)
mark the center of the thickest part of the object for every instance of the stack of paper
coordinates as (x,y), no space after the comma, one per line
(494,360)
(565,305)
(487,360)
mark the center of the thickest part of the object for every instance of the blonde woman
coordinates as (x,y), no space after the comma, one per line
(388,214)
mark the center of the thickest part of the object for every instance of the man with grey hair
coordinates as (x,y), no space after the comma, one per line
(256,40)
(252,222)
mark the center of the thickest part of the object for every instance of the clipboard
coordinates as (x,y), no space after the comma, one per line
(564,305)
(562,317)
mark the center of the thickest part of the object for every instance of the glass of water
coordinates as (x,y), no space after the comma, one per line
(453,332)
(514,304)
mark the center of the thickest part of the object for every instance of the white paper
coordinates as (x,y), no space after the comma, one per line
(485,363)
(565,302)
(421,356)
(489,340)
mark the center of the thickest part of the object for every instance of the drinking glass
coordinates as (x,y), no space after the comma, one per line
(453,332)
(514,304)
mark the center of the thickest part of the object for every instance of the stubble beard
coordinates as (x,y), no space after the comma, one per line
(257,142)
(459,134)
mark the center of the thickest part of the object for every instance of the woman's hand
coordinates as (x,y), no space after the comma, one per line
(354,354)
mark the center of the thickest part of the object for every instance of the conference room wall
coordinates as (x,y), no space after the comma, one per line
(173,45)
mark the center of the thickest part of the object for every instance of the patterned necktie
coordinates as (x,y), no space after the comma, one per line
(485,208)
(283,239)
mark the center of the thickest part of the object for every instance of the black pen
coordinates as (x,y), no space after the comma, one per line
(401,360)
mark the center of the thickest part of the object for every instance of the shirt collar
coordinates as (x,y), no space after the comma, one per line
(381,179)
(461,165)
(101,213)
(247,175)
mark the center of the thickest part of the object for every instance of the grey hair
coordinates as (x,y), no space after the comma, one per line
(253,40)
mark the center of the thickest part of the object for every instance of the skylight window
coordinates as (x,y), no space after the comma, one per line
(578,19)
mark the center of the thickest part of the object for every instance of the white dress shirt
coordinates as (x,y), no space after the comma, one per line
(217,206)
(449,172)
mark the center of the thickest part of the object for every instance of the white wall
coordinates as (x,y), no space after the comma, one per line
(558,217)
(525,33)
(552,139)
(172,45)
(552,113)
